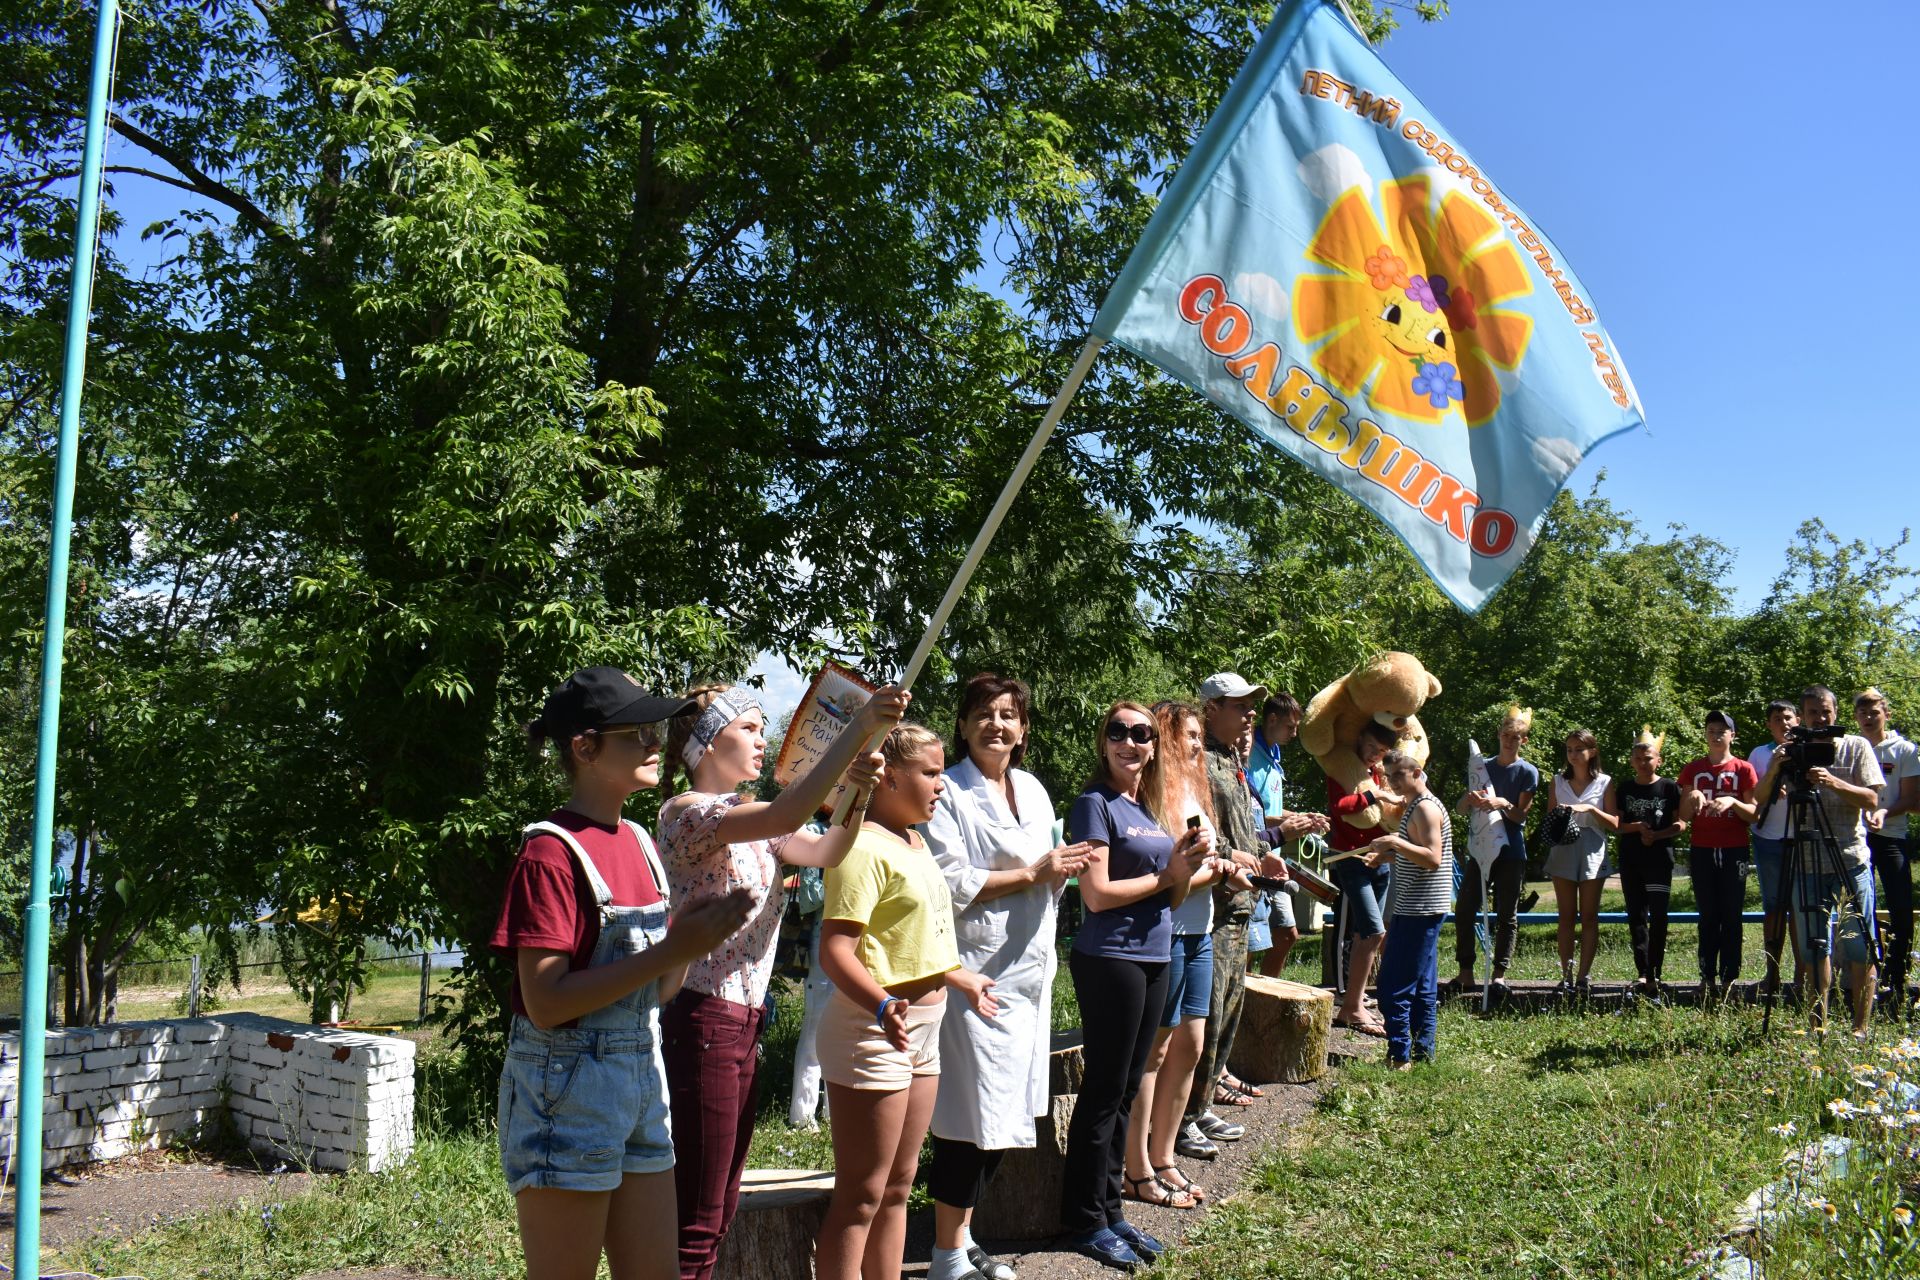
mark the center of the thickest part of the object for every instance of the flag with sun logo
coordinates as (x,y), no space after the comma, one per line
(1331,266)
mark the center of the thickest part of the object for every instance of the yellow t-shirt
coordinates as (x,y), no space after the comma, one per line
(898,896)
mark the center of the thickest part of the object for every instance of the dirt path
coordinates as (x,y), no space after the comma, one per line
(127,1197)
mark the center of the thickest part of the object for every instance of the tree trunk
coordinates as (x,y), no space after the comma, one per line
(76,999)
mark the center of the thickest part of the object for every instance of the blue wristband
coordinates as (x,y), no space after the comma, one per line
(880,1015)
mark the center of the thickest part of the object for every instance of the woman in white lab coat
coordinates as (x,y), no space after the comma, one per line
(992,833)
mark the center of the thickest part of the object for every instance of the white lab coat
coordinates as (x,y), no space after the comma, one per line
(993,1072)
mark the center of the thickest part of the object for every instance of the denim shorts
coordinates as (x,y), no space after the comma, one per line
(581,1108)
(1829,934)
(1189,978)
(1769,855)
(1364,891)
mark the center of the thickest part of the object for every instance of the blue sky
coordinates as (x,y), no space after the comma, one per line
(1732,182)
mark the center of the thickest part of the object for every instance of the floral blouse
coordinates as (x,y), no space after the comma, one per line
(699,865)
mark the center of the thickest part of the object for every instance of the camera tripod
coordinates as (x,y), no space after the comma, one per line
(1811,847)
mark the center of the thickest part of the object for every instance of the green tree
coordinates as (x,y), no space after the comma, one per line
(488,341)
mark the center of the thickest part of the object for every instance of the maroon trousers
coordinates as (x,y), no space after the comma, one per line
(712,1072)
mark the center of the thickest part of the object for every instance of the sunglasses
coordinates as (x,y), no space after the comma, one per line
(646,735)
(1139,733)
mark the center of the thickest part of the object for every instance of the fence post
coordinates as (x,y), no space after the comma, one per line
(193,987)
(426,981)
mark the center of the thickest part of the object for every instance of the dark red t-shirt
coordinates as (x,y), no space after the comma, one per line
(1733,777)
(549,903)
(1342,835)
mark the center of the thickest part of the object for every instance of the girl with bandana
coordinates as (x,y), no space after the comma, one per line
(715,840)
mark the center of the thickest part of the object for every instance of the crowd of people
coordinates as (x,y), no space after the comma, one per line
(628,1100)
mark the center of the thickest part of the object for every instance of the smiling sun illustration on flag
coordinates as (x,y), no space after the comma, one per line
(1412,316)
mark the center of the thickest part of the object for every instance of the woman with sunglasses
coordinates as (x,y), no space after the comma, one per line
(715,840)
(583,1098)
(1136,876)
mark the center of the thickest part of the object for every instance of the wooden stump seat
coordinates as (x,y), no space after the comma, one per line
(772,1236)
(1283,1032)
(1022,1202)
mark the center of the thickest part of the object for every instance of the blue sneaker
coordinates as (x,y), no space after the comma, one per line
(1104,1247)
(1143,1244)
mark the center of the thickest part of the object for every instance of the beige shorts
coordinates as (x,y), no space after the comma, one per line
(854,1052)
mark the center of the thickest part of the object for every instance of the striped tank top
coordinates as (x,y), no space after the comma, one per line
(1415,891)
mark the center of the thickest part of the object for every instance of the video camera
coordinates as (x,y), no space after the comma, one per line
(1809,748)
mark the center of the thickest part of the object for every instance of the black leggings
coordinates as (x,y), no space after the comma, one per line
(1646,878)
(1121,1002)
(1892,861)
(959,1172)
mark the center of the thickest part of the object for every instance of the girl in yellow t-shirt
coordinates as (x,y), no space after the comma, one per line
(886,940)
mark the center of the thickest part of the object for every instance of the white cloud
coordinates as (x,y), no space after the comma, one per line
(1556,456)
(1262,293)
(1331,170)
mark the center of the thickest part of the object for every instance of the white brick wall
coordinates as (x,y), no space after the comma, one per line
(317,1096)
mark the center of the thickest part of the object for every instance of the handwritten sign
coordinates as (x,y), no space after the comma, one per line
(833,699)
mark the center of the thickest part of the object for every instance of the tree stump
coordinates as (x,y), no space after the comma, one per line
(1283,1034)
(772,1236)
(1022,1202)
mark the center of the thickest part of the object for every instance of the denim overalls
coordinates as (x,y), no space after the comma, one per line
(582,1106)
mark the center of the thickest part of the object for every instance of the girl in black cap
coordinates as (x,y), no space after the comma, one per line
(583,1099)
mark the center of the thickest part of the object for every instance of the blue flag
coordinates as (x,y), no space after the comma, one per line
(1331,267)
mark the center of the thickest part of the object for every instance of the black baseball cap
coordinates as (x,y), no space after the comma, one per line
(1723,718)
(600,697)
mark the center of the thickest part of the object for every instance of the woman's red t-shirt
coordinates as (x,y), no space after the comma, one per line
(549,904)
(1342,804)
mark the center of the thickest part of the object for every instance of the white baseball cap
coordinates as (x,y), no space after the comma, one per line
(1230,684)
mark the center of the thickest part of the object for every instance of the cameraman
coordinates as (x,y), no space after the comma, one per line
(1846,789)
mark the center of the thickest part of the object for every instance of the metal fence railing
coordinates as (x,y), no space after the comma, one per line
(189,986)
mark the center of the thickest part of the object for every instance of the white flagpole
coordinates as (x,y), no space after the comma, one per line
(938,622)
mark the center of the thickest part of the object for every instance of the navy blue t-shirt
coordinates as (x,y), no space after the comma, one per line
(1136,846)
(1510,782)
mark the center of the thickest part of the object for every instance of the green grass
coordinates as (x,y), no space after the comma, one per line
(1555,1145)
(1560,1145)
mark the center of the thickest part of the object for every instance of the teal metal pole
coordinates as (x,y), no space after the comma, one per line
(33,1002)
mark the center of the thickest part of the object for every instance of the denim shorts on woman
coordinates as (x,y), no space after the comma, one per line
(1189,978)
(1363,889)
(582,1108)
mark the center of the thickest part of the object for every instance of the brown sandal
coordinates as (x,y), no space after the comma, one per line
(1226,1095)
(1250,1090)
(1169,1197)
(1192,1189)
